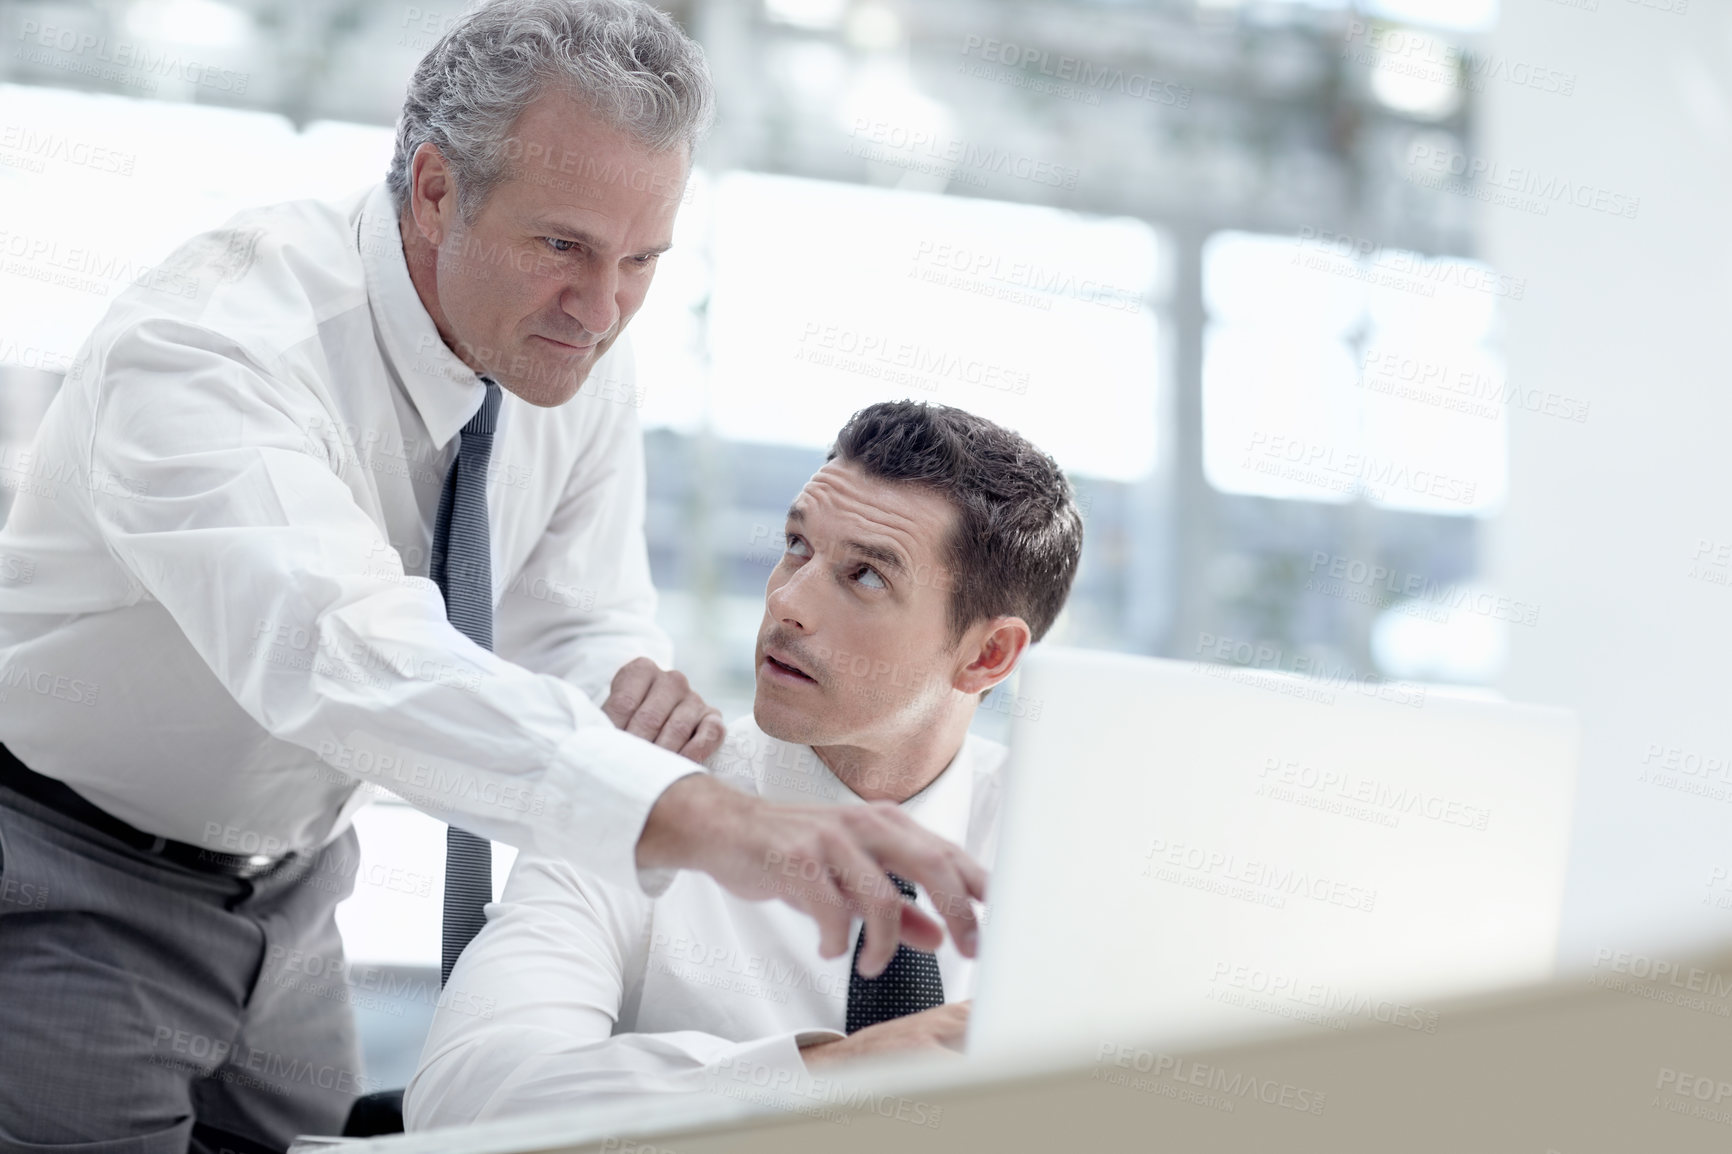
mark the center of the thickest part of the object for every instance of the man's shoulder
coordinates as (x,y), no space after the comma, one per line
(264,281)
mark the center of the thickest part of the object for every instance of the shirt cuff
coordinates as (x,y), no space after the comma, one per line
(809,1037)
(614,781)
(758,1061)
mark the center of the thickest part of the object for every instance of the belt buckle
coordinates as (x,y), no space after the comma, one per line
(260,864)
(249,866)
(245,867)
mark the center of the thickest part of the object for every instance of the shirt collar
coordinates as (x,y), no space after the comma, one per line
(445,391)
(788,772)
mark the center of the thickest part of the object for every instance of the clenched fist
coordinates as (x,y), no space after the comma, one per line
(660,706)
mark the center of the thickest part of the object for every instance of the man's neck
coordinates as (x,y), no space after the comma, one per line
(423,261)
(903,770)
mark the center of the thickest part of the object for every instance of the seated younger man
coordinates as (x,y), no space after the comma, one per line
(921,560)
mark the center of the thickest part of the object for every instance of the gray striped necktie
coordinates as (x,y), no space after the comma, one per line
(462,567)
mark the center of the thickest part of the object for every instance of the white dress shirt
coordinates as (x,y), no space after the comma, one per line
(580,991)
(215,619)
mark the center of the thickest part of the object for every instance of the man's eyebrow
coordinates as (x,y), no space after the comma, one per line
(882,554)
(888,558)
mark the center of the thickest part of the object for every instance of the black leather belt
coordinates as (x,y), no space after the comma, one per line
(61,798)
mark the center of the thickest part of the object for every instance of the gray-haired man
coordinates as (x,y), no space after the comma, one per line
(331,515)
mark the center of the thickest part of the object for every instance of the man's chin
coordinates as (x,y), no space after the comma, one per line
(553,377)
(786,724)
(548,386)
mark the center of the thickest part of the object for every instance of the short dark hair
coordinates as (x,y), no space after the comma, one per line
(1018,536)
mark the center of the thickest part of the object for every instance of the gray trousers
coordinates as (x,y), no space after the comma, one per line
(149,1009)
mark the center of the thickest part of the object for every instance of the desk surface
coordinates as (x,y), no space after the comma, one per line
(1634,1055)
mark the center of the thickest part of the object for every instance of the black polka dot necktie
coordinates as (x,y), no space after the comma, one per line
(462,566)
(909,984)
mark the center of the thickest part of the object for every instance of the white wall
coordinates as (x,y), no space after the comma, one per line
(1604,517)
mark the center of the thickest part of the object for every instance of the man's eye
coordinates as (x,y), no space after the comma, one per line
(869,577)
(798,547)
(554,243)
(646,259)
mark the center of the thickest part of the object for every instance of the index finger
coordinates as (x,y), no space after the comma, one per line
(707,738)
(950,877)
(879,904)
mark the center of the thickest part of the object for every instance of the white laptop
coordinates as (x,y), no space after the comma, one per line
(1200,853)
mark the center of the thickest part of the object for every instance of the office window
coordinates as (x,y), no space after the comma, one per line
(1040,319)
(1337,371)
(69,159)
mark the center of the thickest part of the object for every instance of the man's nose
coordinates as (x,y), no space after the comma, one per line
(789,603)
(591,300)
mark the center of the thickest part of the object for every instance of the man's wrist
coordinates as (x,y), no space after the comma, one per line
(823,1052)
(690,817)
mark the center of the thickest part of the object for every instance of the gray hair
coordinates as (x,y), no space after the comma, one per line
(630,62)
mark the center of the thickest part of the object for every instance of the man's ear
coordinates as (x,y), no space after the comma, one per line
(432,194)
(991,651)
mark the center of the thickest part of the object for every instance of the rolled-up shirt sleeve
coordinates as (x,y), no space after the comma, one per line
(215,499)
(526,1022)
